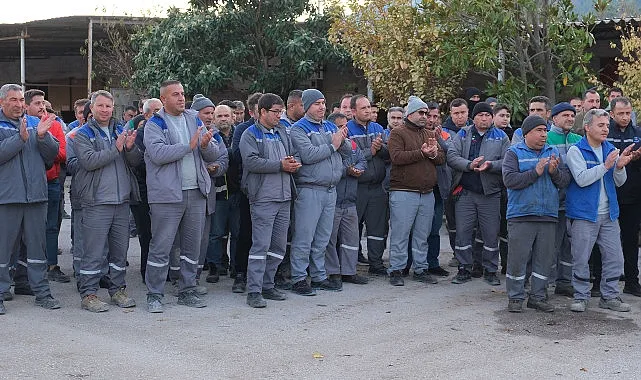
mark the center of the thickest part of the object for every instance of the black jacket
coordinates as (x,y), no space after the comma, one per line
(630,192)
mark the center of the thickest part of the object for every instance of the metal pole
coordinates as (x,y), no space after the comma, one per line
(501,73)
(22,61)
(89,56)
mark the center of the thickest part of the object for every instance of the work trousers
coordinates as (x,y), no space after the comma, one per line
(270,221)
(342,251)
(371,206)
(185,218)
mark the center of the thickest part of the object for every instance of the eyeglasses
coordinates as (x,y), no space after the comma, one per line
(422,113)
(275,111)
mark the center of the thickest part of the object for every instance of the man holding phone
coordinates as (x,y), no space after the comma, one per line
(623,133)
(415,153)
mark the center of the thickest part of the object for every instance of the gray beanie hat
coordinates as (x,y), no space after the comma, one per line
(414,103)
(532,122)
(200,101)
(310,96)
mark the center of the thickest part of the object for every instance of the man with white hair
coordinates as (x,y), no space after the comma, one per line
(150,107)
(26,149)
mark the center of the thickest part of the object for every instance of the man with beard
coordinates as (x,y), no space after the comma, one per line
(623,133)
(591,100)
(561,138)
(226,218)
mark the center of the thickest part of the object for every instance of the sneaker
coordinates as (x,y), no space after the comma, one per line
(93,304)
(615,304)
(424,277)
(240,284)
(256,300)
(337,280)
(191,299)
(355,279)
(55,274)
(3,310)
(273,294)
(462,276)
(541,305)
(362,260)
(382,271)
(491,278)
(477,270)
(438,271)
(579,306)
(564,290)
(303,288)
(6,296)
(515,306)
(121,299)
(213,276)
(634,289)
(396,278)
(328,285)
(200,290)
(454,263)
(23,290)
(48,302)
(154,303)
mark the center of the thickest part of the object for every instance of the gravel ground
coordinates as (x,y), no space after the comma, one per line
(374,331)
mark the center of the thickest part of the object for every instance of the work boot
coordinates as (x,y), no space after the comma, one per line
(48,302)
(615,304)
(438,271)
(564,290)
(542,305)
(381,271)
(92,303)
(355,279)
(23,290)
(272,294)
(213,276)
(327,285)
(55,274)
(191,299)
(121,299)
(424,277)
(256,300)
(362,260)
(477,270)
(462,276)
(396,278)
(240,283)
(154,303)
(337,280)
(492,279)
(515,306)
(579,306)
(303,288)
(632,288)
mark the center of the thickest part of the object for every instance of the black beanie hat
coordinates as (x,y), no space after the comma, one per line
(482,107)
(532,122)
(471,91)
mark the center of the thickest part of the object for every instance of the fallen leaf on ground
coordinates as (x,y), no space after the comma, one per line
(317,355)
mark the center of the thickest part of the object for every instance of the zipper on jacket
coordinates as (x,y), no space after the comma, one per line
(24,176)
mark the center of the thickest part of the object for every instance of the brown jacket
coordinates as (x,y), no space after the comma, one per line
(411,169)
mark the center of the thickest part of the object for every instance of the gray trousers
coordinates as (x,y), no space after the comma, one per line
(167,220)
(409,212)
(529,241)
(314,210)
(371,206)
(204,243)
(25,223)
(77,248)
(607,235)
(562,264)
(104,224)
(270,221)
(342,251)
(484,210)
